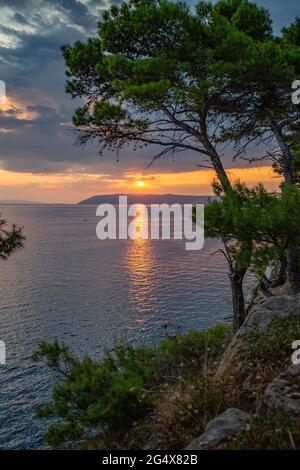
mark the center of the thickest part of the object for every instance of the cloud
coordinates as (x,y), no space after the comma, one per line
(70,187)
(34,134)
(35,128)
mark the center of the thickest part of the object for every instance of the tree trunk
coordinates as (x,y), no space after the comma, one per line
(236,276)
(293,258)
(219,168)
(214,156)
(221,173)
(287,156)
(238,301)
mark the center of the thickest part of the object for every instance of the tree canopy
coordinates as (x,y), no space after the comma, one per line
(152,76)
(197,79)
(11,239)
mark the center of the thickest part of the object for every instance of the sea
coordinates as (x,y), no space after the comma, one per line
(68,285)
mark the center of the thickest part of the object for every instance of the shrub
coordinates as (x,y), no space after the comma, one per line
(95,393)
(111,394)
(195,344)
(275,344)
(186,409)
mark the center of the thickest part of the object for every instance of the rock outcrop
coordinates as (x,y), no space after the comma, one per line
(153,442)
(221,430)
(275,308)
(284,392)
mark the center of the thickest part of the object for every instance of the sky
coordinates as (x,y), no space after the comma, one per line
(39,160)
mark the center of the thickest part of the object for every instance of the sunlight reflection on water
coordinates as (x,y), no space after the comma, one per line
(66,284)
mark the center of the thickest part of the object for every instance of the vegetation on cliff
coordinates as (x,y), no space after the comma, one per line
(163,397)
(128,385)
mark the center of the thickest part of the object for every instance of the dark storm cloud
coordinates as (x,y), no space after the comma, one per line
(20,19)
(35,135)
(31,64)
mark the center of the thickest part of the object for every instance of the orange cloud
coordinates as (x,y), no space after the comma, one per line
(199,182)
(72,187)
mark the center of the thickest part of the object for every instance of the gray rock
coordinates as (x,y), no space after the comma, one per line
(283,392)
(275,308)
(221,430)
(272,271)
(152,442)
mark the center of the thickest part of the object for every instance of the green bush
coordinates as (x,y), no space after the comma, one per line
(111,394)
(95,393)
(274,344)
(195,344)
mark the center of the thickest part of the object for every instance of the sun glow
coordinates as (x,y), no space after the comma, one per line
(140,184)
(72,186)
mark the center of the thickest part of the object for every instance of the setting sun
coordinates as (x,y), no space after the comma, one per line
(140,183)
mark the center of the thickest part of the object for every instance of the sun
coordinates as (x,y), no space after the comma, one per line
(140,184)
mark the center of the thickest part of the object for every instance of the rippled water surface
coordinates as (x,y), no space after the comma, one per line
(67,284)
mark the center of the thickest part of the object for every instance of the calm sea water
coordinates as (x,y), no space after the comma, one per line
(66,284)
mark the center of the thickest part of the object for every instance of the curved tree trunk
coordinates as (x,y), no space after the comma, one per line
(236,275)
(219,169)
(213,155)
(238,300)
(218,166)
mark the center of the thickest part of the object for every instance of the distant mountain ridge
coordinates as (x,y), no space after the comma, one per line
(146,199)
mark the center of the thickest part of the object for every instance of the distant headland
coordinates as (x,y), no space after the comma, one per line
(146,199)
